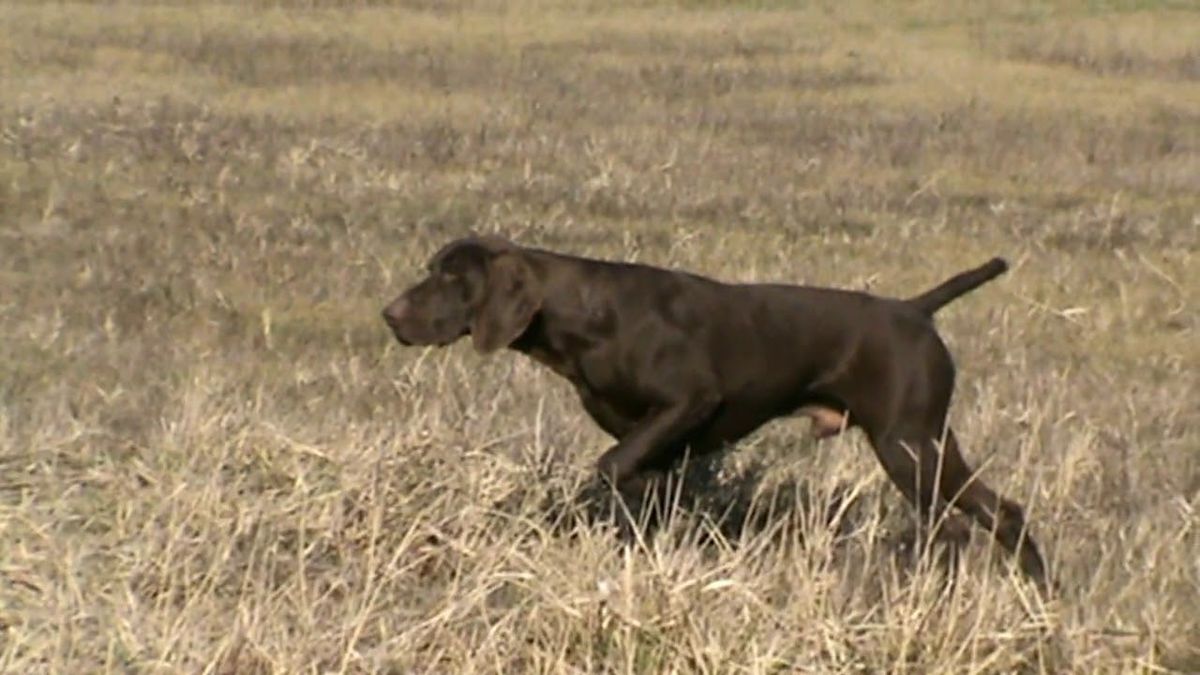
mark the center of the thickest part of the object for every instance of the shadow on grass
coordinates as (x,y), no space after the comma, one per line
(695,506)
(693,502)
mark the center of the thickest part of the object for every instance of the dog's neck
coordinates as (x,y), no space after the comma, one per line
(549,343)
(570,318)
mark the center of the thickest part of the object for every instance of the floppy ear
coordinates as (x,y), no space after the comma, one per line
(513,295)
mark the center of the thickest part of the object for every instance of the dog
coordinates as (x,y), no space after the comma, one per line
(668,362)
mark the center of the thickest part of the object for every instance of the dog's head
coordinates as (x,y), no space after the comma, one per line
(478,286)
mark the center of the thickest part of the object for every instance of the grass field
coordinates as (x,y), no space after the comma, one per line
(214,458)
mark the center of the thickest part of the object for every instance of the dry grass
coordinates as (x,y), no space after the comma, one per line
(215,460)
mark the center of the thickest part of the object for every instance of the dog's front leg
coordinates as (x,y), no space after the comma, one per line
(661,433)
(634,466)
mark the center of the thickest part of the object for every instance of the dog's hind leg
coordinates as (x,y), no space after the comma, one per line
(913,468)
(1004,518)
(934,475)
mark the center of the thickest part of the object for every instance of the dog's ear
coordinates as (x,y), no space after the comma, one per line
(511,298)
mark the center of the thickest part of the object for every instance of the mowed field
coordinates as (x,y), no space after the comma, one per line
(215,459)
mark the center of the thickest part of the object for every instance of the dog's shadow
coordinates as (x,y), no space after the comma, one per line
(694,502)
(697,506)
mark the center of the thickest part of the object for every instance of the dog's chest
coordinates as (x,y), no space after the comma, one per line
(586,363)
(576,340)
(557,362)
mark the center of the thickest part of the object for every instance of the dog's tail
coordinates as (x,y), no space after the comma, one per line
(960,284)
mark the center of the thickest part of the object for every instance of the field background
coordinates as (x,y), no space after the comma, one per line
(214,459)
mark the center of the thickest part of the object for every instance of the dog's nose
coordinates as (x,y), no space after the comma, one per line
(394,313)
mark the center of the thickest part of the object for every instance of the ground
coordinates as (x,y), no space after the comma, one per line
(214,458)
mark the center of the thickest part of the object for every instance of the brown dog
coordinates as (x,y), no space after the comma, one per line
(667,362)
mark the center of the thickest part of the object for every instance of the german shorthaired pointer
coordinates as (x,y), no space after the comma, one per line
(666,361)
